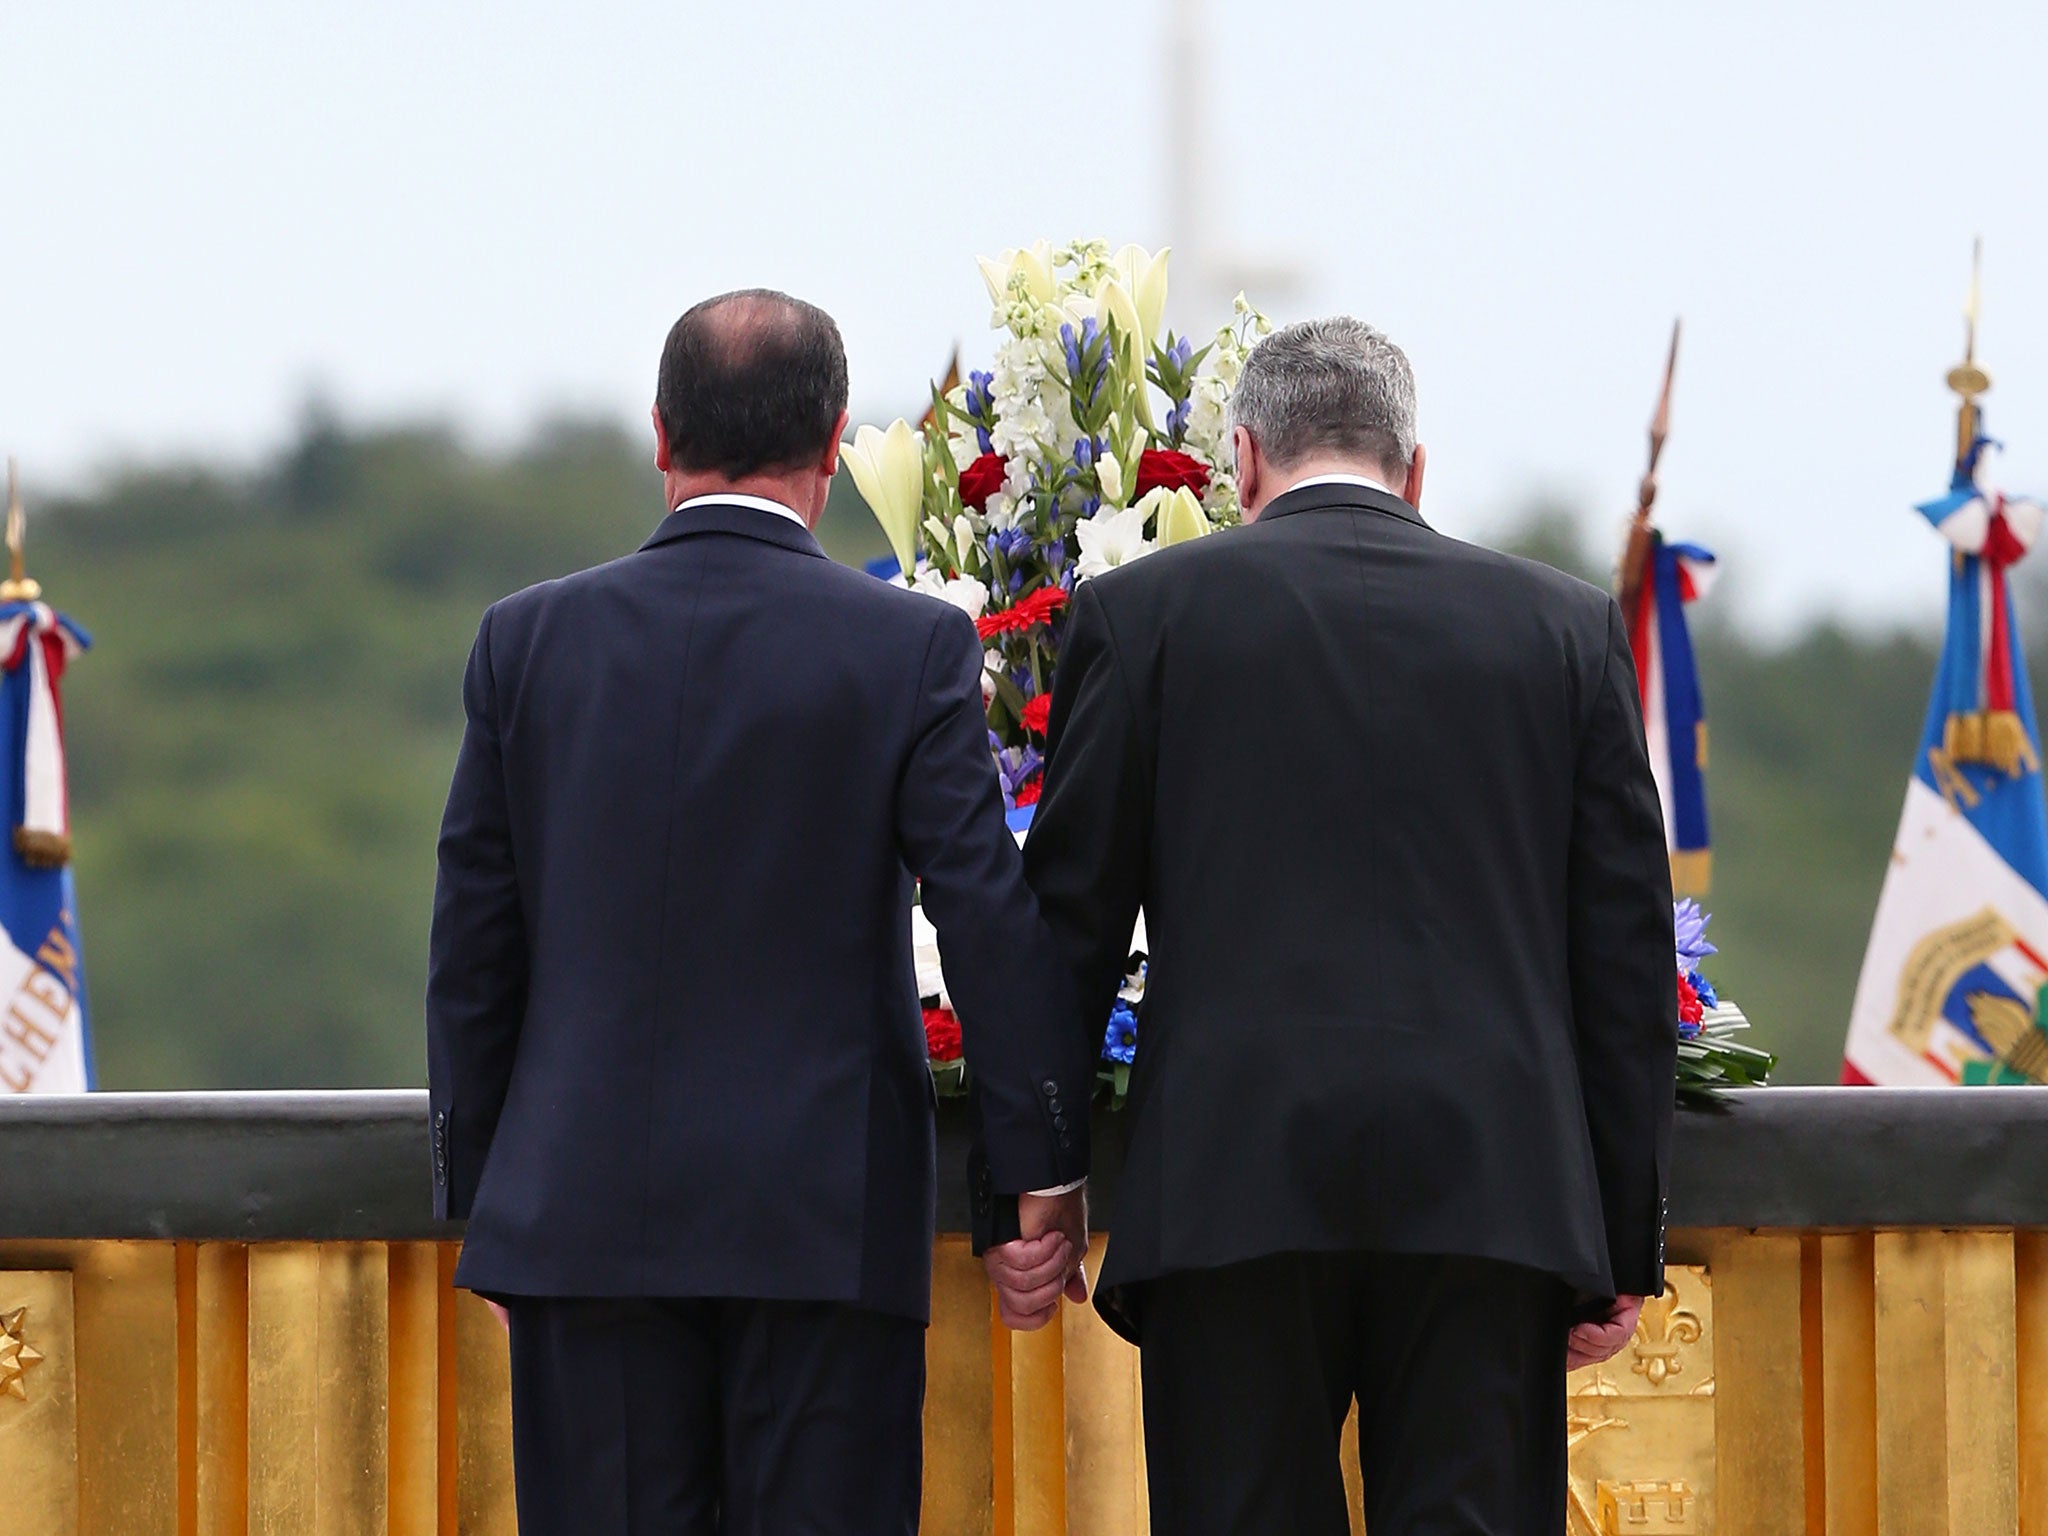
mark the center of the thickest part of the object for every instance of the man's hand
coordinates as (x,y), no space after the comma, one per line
(1047,1262)
(1596,1342)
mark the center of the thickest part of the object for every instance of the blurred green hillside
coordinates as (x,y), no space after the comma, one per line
(261,740)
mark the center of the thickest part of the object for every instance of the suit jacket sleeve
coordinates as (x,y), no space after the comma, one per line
(1624,996)
(477,966)
(1087,853)
(1031,1079)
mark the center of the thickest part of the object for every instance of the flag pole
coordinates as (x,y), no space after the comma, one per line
(1966,378)
(1635,552)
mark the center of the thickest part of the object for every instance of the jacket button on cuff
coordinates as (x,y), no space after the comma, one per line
(1050,1088)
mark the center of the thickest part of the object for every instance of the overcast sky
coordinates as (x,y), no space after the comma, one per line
(491,212)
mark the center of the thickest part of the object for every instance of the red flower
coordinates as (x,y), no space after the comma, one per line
(1176,471)
(1027,793)
(941,1034)
(1036,713)
(1689,1009)
(1035,609)
(982,479)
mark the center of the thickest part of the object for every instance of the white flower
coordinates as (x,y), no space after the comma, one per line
(924,953)
(963,592)
(1001,511)
(969,546)
(888,469)
(1111,539)
(1144,276)
(1179,516)
(1206,418)
(965,450)
(1024,431)
(1111,475)
(1019,371)
(1029,269)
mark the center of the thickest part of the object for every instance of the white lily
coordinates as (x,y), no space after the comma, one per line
(1034,261)
(1144,275)
(1114,302)
(1111,539)
(1111,474)
(1179,516)
(965,541)
(888,470)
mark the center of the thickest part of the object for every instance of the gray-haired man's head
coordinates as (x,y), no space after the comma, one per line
(1324,397)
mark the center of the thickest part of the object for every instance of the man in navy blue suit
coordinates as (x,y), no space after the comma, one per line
(677,1065)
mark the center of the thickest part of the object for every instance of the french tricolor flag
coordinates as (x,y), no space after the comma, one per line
(1956,975)
(1674,715)
(44,1042)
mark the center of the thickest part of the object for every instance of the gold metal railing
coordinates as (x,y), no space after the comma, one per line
(1853,1384)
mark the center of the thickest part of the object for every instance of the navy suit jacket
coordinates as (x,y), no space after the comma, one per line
(674,1040)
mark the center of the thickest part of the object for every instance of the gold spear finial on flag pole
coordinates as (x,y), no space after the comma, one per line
(1966,378)
(17,588)
(1635,553)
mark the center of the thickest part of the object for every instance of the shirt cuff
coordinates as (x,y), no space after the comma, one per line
(1064,1189)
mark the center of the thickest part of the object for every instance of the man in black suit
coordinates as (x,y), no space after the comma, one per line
(1401,1111)
(677,1063)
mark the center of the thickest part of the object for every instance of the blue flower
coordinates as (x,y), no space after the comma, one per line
(1015,766)
(1120,1040)
(1009,544)
(1689,924)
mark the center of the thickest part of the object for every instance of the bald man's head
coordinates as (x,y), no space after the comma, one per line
(751,383)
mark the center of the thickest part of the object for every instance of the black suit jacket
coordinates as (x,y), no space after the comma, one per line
(1385,800)
(674,1040)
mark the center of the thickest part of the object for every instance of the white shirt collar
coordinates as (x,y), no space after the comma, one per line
(758,503)
(1361,481)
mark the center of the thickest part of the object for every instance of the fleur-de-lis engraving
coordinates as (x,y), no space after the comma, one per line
(1665,1329)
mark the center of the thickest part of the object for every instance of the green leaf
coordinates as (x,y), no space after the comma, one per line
(1008,693)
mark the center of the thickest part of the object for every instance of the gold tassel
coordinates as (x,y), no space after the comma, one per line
(1962,739)
(1692,871)
(42,850)
(1993,738)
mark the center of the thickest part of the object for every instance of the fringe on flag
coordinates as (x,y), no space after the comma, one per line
(1994,738)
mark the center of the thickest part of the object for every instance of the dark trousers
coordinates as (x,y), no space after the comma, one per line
(715,1418)
(1457,1366)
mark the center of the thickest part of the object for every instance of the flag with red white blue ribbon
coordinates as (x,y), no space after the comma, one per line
(1955,978)
(45,1045)
(1674,713)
